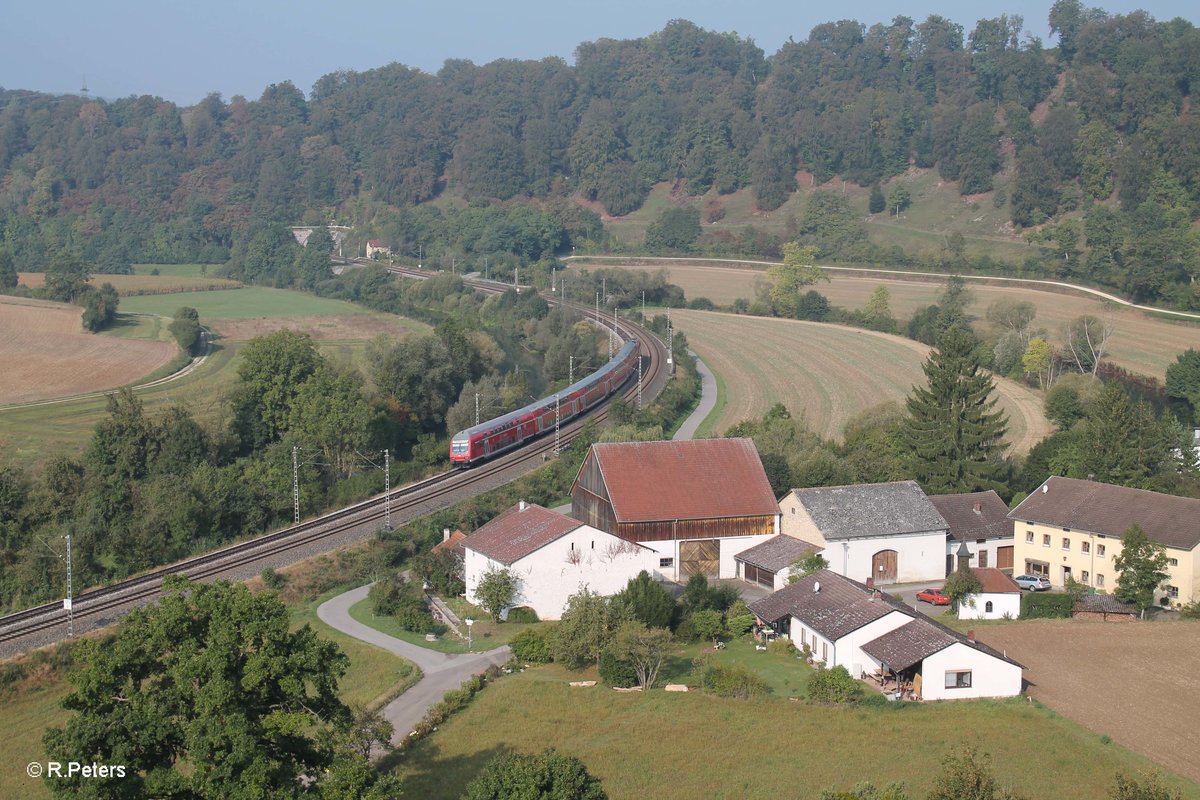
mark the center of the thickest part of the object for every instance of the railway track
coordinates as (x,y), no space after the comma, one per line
(47,623)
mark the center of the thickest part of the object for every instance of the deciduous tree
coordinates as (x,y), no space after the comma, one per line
(496,591)
(545,775)
(1142,568)
(644,648)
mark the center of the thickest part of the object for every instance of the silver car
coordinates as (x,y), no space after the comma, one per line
(1034,583)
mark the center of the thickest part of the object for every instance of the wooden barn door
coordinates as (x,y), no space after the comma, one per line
(1004,558)
(700,557)
(883,566)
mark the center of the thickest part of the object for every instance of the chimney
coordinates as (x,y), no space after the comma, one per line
(445,534)
(971,636)
(870,582)
(521,506)
(978,508)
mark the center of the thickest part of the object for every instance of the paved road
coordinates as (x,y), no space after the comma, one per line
(443,671)
(708,401)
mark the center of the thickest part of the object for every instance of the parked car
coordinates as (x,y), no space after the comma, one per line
(1034,583)
(934,596)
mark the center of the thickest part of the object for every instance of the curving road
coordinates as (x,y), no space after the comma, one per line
(442,671)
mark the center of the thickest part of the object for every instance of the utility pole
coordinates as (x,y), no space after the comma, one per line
(670,340)
(477,408)
(639,381)
(485,268)
(69,602)
(553,279)
(604,289)
(612,332)
(643,305)
(557,421)
(597,308)
(571,371)
(296,483)
(387,489)
(420,255)
(517,279)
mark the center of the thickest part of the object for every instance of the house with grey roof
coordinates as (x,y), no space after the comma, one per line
(979,520)
(552,556)
(768,564)
(885,532)
(846,623)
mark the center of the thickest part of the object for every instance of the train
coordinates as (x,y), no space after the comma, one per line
(505,432)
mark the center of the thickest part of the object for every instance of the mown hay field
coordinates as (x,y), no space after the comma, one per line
(45,353)
(1141,343)
(132,285)
(693,745)
(826,372)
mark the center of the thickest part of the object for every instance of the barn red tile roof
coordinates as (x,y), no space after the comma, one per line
(519,531)
(973,516)
(698,479)
(452,542)
(1112,510)
(995,582)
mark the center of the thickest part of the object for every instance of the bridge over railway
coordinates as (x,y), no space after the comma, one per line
(47,624)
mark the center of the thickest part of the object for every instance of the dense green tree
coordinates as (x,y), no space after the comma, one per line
(966,774)
(1183,379)
(1141,567)
(207,693)
(418,373)
(8,271)
(644,648)
(785,280)
(646,601)
(1121,442)
(99,307)
(330,412)
(314,261)
(545,776)
(1128,788)
(271,372)
(66,277)
(955,434)
(677,228)
(185,327)
(496,591)
(585,630)
(877,202)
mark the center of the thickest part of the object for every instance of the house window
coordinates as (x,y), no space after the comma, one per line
(825,645)
(1084,576)
(1100,579)
(1038,568)
(793,509)
(1066,543)
(665,563)
(593,544)
(1172,562)
(572,546)
(1085,547)
(958,680)
(1029,537)
(1173,592)
(1045,540)
(1100,551)
(987,607)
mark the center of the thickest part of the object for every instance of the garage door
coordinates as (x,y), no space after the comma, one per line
(883,566)
(758,575)
(700,557)
(1004,558)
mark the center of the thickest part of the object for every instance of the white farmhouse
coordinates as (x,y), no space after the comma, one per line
(552,556)
(888,532)
(845,623)
(1000,597)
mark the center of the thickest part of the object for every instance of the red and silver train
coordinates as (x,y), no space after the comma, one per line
(514,428)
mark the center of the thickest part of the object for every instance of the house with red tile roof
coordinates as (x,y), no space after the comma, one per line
(697,503)
(552,556)
(999,597)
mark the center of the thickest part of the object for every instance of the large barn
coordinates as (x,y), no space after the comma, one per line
(698,503)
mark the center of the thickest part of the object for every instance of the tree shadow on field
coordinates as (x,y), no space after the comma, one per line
(432,775)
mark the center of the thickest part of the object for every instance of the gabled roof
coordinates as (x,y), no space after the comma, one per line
(1103,604)
(995,582)
(697,479)
(870,509)
(776,553)
(1112,510)
(830,604)
(519,531)
(917,640)
(976,515)
(453,542)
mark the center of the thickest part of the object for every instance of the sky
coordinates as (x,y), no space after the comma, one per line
(184,51)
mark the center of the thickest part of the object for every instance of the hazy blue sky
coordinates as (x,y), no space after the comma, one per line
(184,50)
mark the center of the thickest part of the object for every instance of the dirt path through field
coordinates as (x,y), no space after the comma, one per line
(1135,682)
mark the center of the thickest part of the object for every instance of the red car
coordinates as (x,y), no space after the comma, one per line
(934,596)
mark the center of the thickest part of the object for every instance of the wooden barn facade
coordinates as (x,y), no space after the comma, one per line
(698,503)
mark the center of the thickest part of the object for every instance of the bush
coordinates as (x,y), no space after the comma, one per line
(532,646)
(782,647)
(833,686)
(701,304)
(617,673)
(728,681)
(272,579)
(522,614)
(685,631)
(739,619)
(1190,611)
(1046,605)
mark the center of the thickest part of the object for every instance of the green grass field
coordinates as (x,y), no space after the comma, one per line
(178,270)
(245,303)
(485,634)
(693,745)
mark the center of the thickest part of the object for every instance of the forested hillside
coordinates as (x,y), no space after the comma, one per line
(1091,145)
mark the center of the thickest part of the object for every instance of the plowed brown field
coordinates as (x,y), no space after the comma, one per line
(827,372)
(45,353)
(1135,682)
(1141,343)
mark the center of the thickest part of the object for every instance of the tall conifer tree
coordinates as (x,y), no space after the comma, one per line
(954,434)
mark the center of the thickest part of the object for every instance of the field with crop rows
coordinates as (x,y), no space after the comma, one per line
(1141,342)
(828,373)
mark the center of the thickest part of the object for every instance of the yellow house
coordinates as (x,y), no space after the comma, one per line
(1072,528)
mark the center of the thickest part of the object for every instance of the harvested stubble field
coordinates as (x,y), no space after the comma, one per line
(1134,682)
(1141,342)
(44,353)
(827,372)
(662,745)
(133,285)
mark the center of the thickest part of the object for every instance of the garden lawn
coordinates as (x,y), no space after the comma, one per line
(485,634)
(693,745)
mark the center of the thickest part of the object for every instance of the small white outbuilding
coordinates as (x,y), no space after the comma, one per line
(1000,597)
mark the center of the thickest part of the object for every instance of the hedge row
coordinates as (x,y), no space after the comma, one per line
(1046,605)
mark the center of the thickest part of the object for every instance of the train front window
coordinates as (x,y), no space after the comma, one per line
(459,448)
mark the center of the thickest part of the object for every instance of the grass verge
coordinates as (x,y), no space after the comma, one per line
(485,634)
(710,421)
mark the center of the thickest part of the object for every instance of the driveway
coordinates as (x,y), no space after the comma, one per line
(907,592)
(442,671)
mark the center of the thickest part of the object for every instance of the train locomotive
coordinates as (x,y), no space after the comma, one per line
(516,427)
